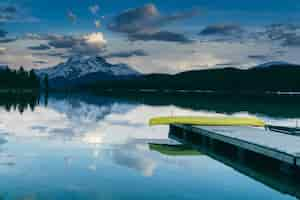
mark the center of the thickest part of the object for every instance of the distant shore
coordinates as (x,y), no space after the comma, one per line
(198,92)
(19,91)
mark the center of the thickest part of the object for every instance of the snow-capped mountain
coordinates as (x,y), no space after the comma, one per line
(275,64)
(85,69)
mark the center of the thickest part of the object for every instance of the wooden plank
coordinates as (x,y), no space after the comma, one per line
(285,148)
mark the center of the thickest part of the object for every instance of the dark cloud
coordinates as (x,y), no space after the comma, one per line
(8,40)
(146,21)
(41,47)
(259,57)
(90,44)
(228,64)
(280,31)
(15,13)
(3,33)
(87,44)
(222,29)
(5,18)
(8,13)
(126,54)
(141,19)
(164,36)
(56,54)
(291,40)
(286,34)
(9,9)
(62,42)
(40,62)
(52,54)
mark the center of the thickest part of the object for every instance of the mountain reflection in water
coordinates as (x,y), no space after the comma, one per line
(83,146)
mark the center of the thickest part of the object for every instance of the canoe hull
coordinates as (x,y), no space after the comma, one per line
(208,121)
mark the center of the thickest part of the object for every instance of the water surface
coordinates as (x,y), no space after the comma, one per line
(100,147)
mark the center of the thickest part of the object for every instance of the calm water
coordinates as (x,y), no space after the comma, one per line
(87,147)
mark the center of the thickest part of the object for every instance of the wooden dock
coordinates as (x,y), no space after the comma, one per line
(278,146)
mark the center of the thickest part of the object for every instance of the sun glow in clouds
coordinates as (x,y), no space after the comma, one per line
(95,38)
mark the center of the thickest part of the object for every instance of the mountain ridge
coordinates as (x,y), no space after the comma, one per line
(85,72)
(86,69)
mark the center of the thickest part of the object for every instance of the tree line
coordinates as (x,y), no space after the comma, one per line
(228,80)
(19,79)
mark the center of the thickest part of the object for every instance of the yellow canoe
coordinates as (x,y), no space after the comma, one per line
(208,121)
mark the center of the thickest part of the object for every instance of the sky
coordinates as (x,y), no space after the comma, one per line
(151,36)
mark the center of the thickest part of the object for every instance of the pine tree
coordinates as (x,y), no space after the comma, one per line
(46,82)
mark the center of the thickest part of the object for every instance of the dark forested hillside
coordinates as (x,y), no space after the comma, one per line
(18,80)
(273,79)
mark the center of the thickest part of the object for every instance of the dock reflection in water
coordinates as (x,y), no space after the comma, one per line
(83,146)
(257,167)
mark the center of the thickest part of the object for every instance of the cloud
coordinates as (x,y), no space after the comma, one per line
(222,29)
(285,34)
(291,40)
(280,31)
(126,54)
(228,64)
(33,36)
(94,9)
(3,33)
(9,9)
(8,40)
(62,42)
(3,50)
(97,23)
(129,155)
(165,36)
(146,22)
(15,13)
(136,20)
(71,16)
(93,43)
(259,57)
(7,12)
(52,54)
(41,47)
(40,62)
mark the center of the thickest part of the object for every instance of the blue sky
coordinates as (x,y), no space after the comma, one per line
(151,36)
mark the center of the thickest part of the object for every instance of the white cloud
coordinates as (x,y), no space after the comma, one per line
(94,9)
(72,17)
(3,50)
(95,39)
(93,43)
(97,23)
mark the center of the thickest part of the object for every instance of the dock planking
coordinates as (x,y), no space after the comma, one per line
(278,146)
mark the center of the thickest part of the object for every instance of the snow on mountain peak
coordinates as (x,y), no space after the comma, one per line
(271,64)
(79,66)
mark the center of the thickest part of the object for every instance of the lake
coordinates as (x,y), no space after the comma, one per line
(83,146)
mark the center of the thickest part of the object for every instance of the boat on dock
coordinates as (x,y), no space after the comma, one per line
(208,121)
(244,134)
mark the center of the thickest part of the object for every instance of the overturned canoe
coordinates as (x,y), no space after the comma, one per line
(208,121)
